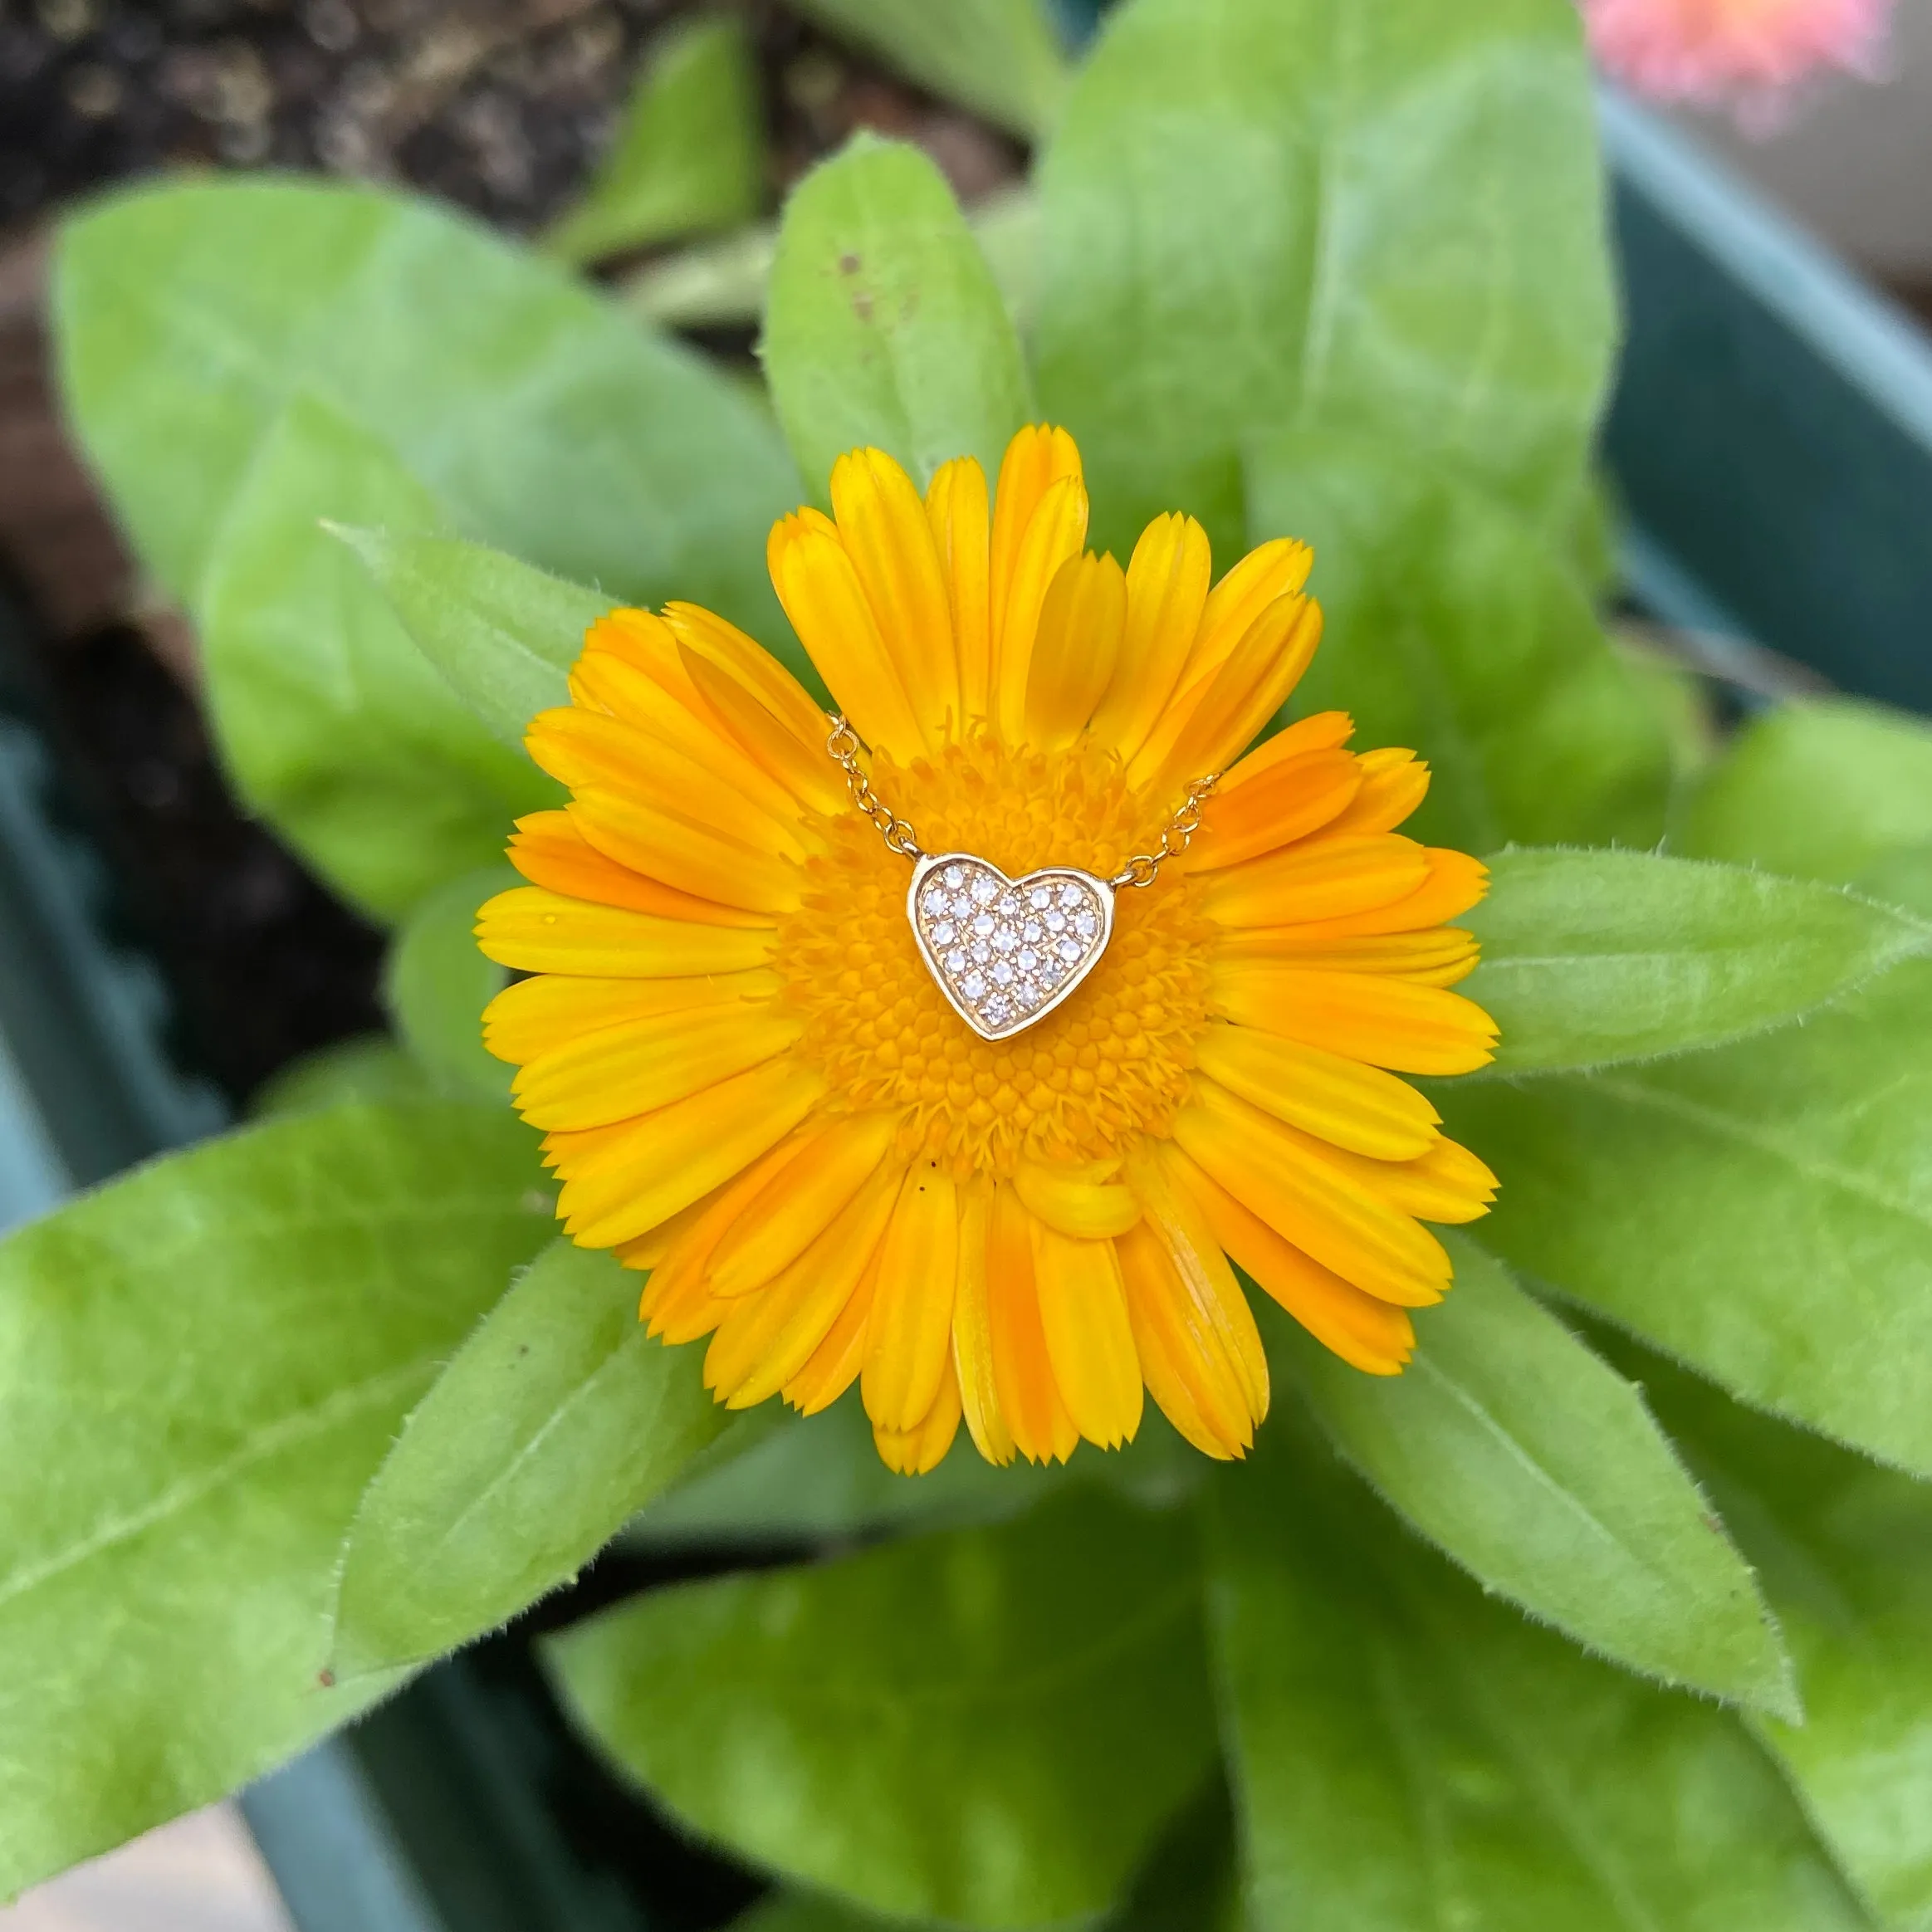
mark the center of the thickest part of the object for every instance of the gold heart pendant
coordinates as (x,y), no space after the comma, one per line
(1006,951)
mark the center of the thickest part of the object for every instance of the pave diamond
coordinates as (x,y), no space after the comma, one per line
(986,938)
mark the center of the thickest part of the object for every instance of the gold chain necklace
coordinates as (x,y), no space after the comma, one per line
(1006,951)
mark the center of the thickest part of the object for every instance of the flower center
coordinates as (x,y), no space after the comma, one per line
(1095,1075)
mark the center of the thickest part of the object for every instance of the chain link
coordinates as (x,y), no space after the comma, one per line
(1176,837)
(842,746)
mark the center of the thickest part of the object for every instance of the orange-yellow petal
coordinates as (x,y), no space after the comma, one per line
(1192,1324)
(1447,1184)
(1037,458)
(675,1302)
(1217,713)
(622,1071)
(822,595)
(1185,1373)
(957,510)
(538,931)
(1454,883)
(1312,1200)
(1074,649)
(1320,878)
(727,646)
(919,1451)
(799,765)
(801,1201)
(591,750)
(835,1362)
(548,850)
(1337,1099)
(764,1340)
(1090,1339)
(693,857)
(1166,591)
(1273,569)
(678,720)
(1029,1398)
(1373,1336)
(1394,783)
(1390,1023)
(883,524)
(1217,1305)
(621,1181)
(1058,529)
(909,1340)
(1292,798)
(972,1333)
(1438,956)
(1086,1202)
(1324,731)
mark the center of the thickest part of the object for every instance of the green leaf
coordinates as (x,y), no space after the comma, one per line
(1590,958)
(436,985)
(1537,1468)
(369,1067)
(558,1421)
(722,283)
(1763,1211)
(819,1478)
(203,1365)
(884,325)
(988,1725)
(1845,1551)
(1002,58)
(1827,789)
(503,634)
(335,726)
(1452,628)
(689,157)
(1408,1753)
(803,1911)
(1275,217)
(546,422)
(1189,1884)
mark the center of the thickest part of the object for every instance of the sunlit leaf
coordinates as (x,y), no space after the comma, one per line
(335,726)
(1827,789)
(1845,1552)
(503,634)
(1593,957)
(884,325)
(1534,1465)
(1407,1753)
(1275,217)
(990,1725)
(545,421)
(1453,628)
(1763,1211)
(436,984)
(689,155)
(1189,1884)
(1001,57)
(371,1067)
(820,1477)
(203,1364)
(560,1419)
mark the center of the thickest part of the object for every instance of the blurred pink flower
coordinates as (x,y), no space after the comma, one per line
(1744,53)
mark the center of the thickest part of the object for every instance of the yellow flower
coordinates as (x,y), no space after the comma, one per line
(752,1085)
